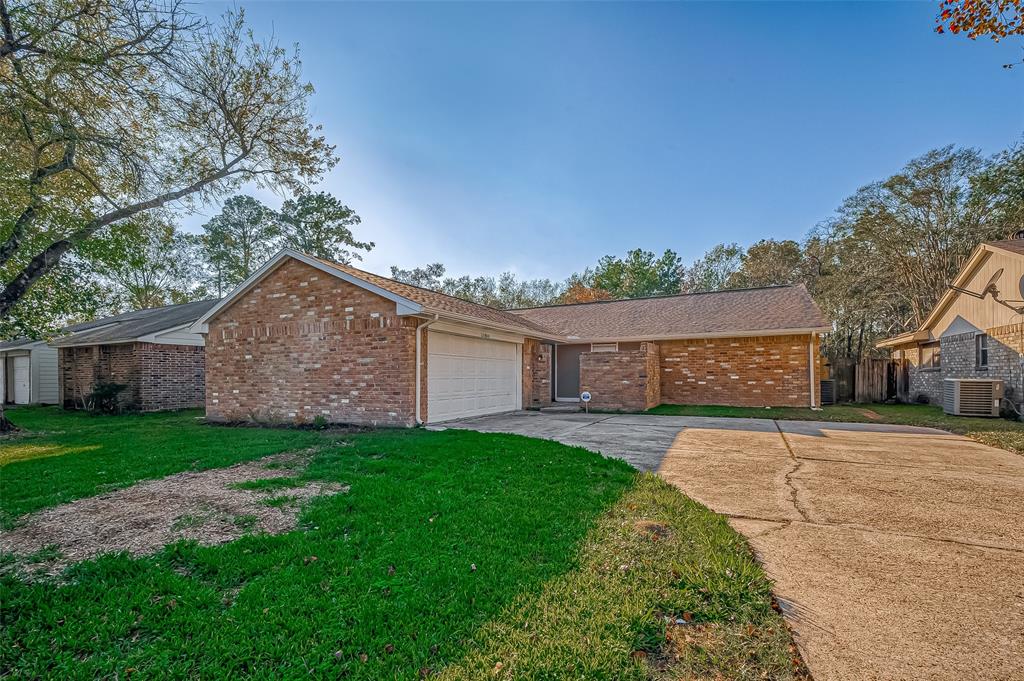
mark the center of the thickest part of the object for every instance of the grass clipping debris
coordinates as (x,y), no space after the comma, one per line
(209,507)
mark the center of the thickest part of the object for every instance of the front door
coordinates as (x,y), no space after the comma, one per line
(567,371)
(21,380)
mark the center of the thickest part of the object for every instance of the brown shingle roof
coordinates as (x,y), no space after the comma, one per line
(740,311)
(1012,245)
(440,302)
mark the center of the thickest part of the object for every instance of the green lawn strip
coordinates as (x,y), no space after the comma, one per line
(80,455)
(657,558)
(441,536)
(390,563)
(1002,433)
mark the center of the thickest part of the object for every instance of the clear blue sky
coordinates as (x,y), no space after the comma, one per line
(538,137)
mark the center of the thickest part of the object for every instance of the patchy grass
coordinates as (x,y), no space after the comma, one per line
(283,500)
(454,554)
(63,456)
(269,484)
(663,589)
(995,432)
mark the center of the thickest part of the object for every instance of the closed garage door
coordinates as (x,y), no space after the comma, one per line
(471,376)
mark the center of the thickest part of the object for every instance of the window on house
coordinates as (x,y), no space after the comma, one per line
(604,347)
(981,350)
(931,356)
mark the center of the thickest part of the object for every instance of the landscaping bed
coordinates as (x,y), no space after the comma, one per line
(448,554)
(1002,433)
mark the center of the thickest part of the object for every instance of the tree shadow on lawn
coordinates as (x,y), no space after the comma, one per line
(441,537)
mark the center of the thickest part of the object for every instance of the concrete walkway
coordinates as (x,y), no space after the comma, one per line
(898,552)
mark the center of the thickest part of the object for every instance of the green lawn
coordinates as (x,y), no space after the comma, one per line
(454,554)
(68,455)
(996,432)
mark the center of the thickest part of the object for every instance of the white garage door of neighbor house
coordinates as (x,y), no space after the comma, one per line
(471,376)
(21,379)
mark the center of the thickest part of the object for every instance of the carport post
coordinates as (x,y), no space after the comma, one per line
(810,368)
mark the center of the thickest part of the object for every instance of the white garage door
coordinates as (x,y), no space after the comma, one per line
(471,376)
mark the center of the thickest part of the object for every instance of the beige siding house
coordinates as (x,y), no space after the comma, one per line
(28,372)
(967,336)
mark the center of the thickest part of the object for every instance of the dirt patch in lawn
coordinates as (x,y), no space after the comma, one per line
(210,507)
(717,650)
(652,530)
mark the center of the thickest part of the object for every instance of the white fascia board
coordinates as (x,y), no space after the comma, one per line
(27,345)
(154,337)
(157,337)
(404,305)
(485,324)
(88,343)
(908,338)
(474,331)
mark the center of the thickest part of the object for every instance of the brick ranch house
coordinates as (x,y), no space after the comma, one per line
(968,337)
(305,338)
(151,351)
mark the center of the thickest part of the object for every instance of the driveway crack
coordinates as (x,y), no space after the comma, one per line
(794,493)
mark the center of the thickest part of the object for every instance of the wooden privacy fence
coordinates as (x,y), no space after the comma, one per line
(871,379)
(871,382)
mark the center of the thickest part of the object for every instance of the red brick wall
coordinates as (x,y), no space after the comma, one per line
(536,373)
(158,376)
(74,374)
(303,344)
(171,376)
(624,380)
(755,372)
(82,368)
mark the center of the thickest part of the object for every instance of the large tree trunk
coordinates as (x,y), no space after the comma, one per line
(5,423)
(36,268)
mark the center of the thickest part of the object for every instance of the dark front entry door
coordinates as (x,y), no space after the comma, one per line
(567,370)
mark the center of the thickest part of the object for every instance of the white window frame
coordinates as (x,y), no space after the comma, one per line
(604,347)
(981,351)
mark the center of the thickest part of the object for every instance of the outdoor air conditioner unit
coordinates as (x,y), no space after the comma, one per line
(971,396)
(828,391)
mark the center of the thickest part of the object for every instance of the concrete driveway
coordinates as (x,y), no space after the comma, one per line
(898,552)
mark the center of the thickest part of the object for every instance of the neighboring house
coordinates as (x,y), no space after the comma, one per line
(305,339)
(966,336)
(151,351)
(28,372)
